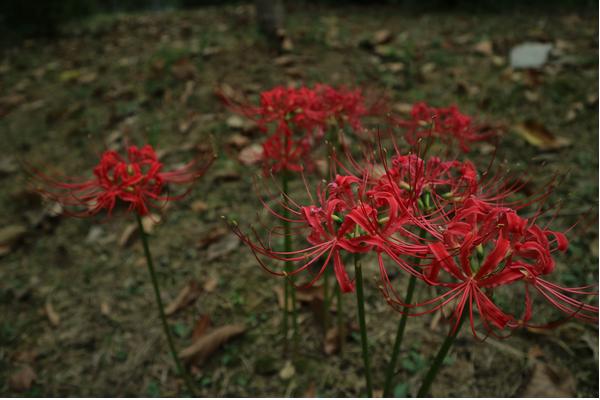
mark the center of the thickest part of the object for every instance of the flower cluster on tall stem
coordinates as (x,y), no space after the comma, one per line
(138,181)
(446,124)
(296,120)
(442,224)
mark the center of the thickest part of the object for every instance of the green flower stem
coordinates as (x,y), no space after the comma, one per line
(290,292)
(161,310)
(391,369)
(340,318)
(326,301)
(439,358)
(360,300)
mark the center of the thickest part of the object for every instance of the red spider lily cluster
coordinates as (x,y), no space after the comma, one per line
(138,180)
(438,221)
(297,119)
(447,124)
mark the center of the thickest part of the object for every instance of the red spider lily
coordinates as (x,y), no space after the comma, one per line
(343,220)
(484,248)
(446,123)
(297,119)
(137,180)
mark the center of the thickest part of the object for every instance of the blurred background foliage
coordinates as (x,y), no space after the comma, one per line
(20,19)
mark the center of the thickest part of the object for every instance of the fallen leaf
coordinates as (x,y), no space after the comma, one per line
(287,45)
(211,284)
(539,136)
(69,75)
(22,380)
(187,91)
(235,122)
(184,70)
(8,166)
(187,295)
(130,232)
(288,371)
(26,356)
(199,206)
(10,236)
(394,67)
(303,295)
(149,222)
(10,102)
(284,61)
(311,390)
(238,141)
(212,236)
(547,380)
(485,48)
(201,327)
(52,315)
(251,155)
(382,36)
(87,78)
(128,235)
(223,247)
(210,342)
(331,345)
(403,108)
(105,309)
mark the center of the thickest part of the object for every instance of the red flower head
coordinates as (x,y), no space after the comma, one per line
(137,180)
(446,123)
(484,248)
(297,119)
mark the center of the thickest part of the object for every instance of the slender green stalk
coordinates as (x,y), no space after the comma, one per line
(391,369)
(439,358)
(290,291)
(286,307)
(360,301)
(326,301)
(340,318)
(161,310)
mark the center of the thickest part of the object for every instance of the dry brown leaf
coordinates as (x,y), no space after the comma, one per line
(201,327)
(8,103)
(105,308)
(211,284)
(26,356)
(190,292)
(210,342)
(485,48)
(212,236)
(403,108)
(10,236)
(548,380)
(184,70)
(303,295)
(22,380)
(284,61)
(382,36)
(331,345)
(238,141)
(52,315)
(149,222)
(199,206)
(251,155)
(288,371)
(128,235)
(539,136)
(311,391)
(235,122)
(187,92)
